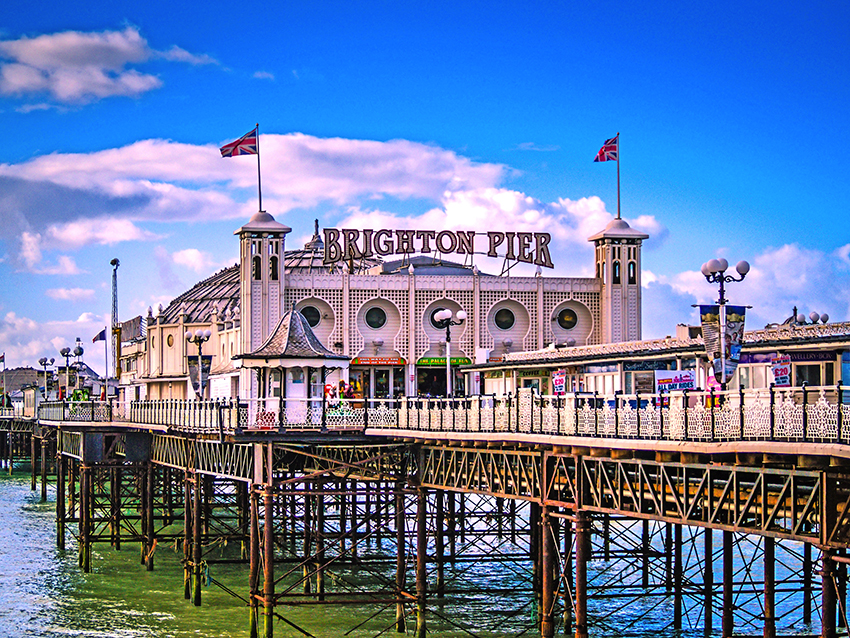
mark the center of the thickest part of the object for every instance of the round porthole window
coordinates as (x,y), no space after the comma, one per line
(312,315)
(504,319)
(376,317)
(567,319)
(170,340)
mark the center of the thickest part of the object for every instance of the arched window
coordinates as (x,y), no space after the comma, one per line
(273,268)
(632,272)
(256,268)
(616,272)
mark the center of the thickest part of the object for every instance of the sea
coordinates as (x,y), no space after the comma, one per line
(44,594)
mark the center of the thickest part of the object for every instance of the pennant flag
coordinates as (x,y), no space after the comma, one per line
(245,145)
(610,150)
(3,358)
(100,336)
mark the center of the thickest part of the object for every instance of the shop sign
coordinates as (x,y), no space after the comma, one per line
(533,373)
(377,361)
(596,369)
(491,374)
(495,359)
(351,243)
(820,355)
(559,382)
(441,361)
(781,368)
(668,380)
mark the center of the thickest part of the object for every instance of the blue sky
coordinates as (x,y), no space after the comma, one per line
(425,115)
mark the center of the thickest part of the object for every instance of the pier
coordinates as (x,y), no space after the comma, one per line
(730,508)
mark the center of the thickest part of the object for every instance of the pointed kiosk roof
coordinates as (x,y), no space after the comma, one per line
(292,344)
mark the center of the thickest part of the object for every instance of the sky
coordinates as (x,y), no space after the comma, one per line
(429,115)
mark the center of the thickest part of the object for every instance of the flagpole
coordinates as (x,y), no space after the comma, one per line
(5,387)
(618,175)
(259,179)
(106,367)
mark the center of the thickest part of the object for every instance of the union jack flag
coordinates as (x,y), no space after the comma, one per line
(610,150)
(245,145)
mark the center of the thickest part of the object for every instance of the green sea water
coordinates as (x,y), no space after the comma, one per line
(44,594)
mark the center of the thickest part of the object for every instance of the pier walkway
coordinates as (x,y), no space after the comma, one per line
(558,471)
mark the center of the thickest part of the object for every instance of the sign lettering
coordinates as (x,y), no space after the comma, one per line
(347,243)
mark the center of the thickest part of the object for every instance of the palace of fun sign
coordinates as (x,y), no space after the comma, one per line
(347,243)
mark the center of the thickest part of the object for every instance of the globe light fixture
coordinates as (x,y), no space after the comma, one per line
(446,319)
(199,337)
(714,271)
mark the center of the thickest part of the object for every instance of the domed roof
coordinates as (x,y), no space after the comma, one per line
(618,228)
(262,222)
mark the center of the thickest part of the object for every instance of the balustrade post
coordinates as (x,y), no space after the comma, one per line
(741,410)
(838,407)
(637,412)
(685,403)
(661,414)
(805,412)
(617,413)
(772,412)
(711,412)
(595,414)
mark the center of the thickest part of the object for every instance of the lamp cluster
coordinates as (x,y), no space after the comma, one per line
(199,336)
(714,271)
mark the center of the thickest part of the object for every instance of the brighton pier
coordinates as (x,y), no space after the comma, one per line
(644,482)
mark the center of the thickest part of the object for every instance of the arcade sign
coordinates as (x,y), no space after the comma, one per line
(347,243)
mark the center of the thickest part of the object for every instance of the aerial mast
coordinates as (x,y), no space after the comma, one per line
(116,328)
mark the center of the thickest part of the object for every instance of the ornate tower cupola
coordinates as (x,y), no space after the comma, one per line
(617,258)
(261,250)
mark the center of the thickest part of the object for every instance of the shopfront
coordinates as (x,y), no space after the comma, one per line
(431,376)
(377,377)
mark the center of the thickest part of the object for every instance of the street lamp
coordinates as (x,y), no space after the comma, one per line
(66,352)
(444,319)
(714,271)
(44,362)
(199,337)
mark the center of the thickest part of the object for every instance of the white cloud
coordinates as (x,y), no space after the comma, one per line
(176,54)
(70,294)
(569,223)
(263,75)
(78,67)
(26,340)
(779,279)
(100,231)
(195,260)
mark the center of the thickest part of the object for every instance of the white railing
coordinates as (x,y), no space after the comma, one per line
(820,414)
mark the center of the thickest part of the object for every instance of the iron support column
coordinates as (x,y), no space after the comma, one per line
(399,560)
(677,577)
(253,561)
(708,581)
(548,580)
(44,444)
(439,545)
(196,541)
(61,465)
(421,560)
(268,554)
(828,597)
(582,557)
(728,586)
(769,586)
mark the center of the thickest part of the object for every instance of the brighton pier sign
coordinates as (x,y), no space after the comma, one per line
(349,244)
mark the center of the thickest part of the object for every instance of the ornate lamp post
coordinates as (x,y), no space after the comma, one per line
(44,362)
(199,337)
(714,271)
(444,319)
(66,352)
